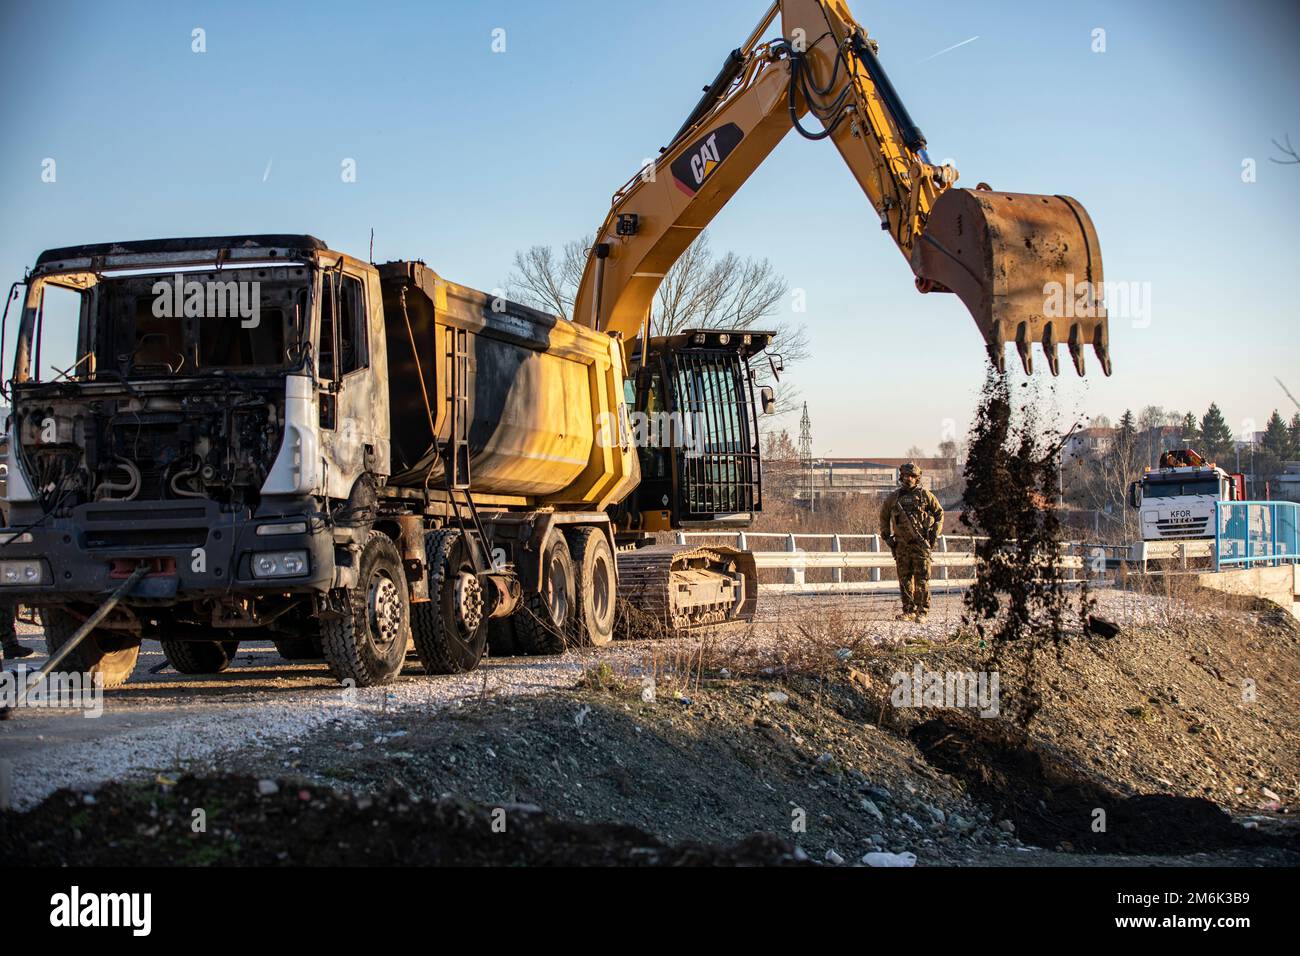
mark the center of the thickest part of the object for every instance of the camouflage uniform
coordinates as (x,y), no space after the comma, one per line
(910,522)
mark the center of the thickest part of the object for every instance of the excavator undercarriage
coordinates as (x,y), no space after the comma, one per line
(679,587)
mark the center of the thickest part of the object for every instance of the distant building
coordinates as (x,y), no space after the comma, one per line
(1090,442)
(824,479)
(1286,486)
(1094,443)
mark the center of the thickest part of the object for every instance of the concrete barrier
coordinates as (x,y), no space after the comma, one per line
(1281,585)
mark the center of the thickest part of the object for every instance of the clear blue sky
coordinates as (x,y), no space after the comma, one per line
(464,156)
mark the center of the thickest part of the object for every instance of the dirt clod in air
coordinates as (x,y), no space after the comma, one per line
(1019,605)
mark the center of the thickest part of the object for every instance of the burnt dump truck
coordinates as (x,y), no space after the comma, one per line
(264,439)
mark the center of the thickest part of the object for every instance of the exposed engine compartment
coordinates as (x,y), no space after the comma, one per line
(186,439)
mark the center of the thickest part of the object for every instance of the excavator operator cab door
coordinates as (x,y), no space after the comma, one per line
(654,495)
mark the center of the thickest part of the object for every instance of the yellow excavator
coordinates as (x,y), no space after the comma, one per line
(998,252)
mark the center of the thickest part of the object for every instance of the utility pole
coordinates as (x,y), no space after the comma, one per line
(805,456)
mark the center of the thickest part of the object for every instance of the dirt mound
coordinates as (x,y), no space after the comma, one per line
(245,823)
(1188,710)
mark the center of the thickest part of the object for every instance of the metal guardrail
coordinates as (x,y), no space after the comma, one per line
(1249,533)
(951,552)
(1253,533)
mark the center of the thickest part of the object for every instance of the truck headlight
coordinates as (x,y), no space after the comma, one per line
(279,564)
(20,571)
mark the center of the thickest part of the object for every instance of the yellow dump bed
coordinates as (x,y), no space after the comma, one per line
(546,421)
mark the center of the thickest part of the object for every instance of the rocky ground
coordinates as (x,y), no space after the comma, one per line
(1181,731)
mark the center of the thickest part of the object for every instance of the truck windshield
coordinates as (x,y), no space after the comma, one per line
(1179,488)
(187,323)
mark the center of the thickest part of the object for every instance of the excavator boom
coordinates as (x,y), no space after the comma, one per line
(1027,267)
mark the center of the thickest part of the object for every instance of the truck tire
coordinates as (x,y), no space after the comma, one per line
(595,592)
(103,652)
(450,629)
(544,621)
(368,646)
(199,657)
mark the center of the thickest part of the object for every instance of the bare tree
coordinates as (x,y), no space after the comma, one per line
(1290,156)
(1100,483)
(548,280)
(701,290)
(782,469)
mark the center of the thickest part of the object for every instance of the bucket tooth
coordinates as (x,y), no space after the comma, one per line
(997,346)
(1103,353)
(1050,348)
(1076,347)
(1023,348)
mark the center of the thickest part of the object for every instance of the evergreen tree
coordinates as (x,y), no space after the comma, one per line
(1293,450)
(1216,436)
(1126,436)
(1191,431)
(1276,437)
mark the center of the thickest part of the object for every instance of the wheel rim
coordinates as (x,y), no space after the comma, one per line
(601,589)
(557,595)
(469,603)
(384,603)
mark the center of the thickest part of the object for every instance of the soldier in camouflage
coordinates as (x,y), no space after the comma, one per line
(911,519)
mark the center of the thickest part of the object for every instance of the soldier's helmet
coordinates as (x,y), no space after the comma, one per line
(909,470)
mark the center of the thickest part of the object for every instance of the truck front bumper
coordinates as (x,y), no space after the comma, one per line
(194,549)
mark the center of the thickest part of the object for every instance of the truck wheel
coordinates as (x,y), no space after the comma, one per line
(369,645)
(542,625)
(450,629)
(103,652)
(595,578)
(199,657)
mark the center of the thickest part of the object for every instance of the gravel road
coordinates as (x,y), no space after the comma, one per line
(160,722)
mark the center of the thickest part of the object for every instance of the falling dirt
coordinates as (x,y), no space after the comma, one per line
(1019,605)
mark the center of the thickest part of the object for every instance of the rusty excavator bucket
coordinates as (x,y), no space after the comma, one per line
(1027,267)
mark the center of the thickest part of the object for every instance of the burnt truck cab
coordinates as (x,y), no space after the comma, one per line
(209,421)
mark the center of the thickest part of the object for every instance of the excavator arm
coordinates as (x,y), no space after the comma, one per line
(1027,267)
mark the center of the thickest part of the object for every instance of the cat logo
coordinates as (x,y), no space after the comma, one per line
(693,168)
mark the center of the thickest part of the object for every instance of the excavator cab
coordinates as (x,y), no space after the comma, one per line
(695,406)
